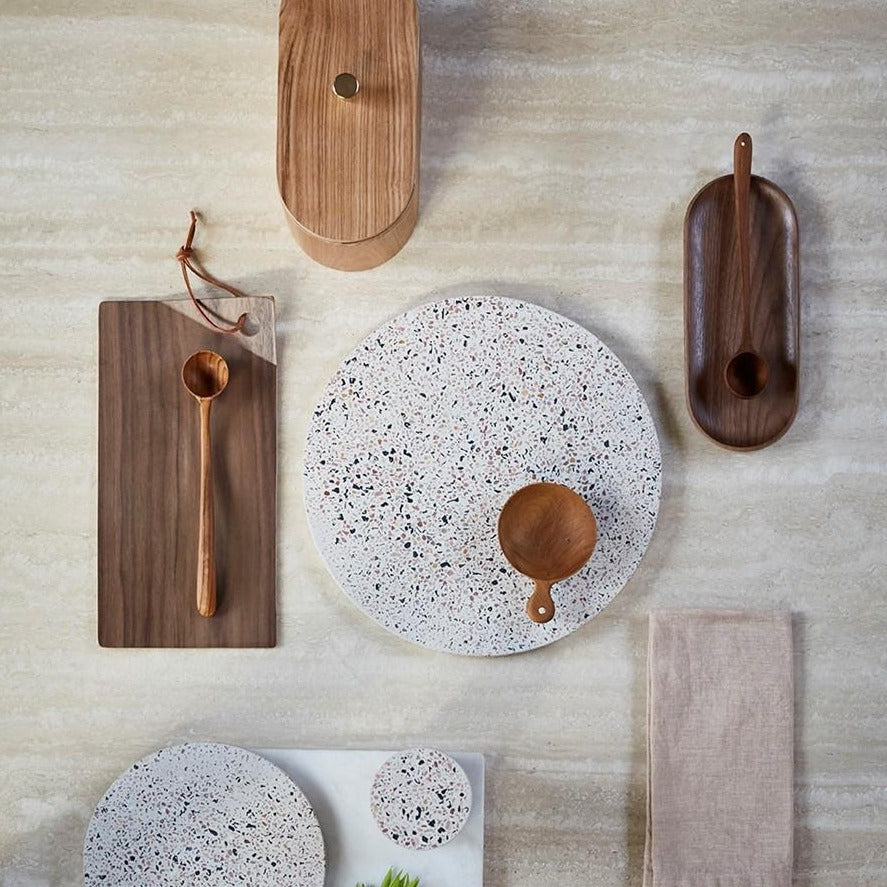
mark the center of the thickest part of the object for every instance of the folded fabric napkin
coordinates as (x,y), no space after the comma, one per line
(720,764)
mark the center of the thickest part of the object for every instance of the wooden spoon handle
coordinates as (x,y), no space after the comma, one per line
(206,563)
(742,149)
(540,607)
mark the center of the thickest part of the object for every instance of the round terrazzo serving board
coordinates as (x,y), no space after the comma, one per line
(425,431)
(420,798)
(204,814)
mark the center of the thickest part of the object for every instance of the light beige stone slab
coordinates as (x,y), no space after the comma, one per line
(561,143)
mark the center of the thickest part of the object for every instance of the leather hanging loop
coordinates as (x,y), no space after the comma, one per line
(183,256)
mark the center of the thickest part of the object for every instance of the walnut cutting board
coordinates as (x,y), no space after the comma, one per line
(148,477)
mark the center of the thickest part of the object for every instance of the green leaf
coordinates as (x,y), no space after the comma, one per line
(396,879)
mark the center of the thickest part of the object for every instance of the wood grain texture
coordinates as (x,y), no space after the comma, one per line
(348,169)
(150,502)
(547,532)
(205,377)
(561,143)
(720,322)
(358,255)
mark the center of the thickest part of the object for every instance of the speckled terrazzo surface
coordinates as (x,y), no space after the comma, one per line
(561,143)
(204,814)
(428,428)
(420,798)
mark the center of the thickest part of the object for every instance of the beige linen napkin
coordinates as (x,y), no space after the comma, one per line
(720,768)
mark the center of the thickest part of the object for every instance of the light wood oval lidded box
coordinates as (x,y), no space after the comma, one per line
(348,168)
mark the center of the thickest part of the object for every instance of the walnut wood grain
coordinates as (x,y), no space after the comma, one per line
(715,312)
(149,481)
(348,170)
(746,373)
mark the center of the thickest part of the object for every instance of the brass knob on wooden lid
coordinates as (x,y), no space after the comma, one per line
(346,86)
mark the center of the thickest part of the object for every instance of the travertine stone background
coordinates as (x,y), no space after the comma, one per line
(561,144)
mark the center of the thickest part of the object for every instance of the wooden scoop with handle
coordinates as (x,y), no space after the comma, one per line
(747,373)
(205,375)
(547,532)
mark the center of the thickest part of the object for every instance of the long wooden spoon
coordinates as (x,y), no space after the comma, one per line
(205,375)
(747,373)
(547,532)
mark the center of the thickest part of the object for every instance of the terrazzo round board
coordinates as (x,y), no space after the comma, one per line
(420,799)
(425,431)
(204,814)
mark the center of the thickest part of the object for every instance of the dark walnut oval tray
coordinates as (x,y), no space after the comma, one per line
(723,324)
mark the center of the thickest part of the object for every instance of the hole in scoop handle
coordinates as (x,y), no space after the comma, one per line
(540,607)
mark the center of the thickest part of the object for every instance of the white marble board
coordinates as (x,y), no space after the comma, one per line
(338,784)
(430,425)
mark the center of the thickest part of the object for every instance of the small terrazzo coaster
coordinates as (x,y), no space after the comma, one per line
(204,814)
(420,799)
(425,431)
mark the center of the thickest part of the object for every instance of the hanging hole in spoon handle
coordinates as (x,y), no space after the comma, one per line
(540,607)
(747,373)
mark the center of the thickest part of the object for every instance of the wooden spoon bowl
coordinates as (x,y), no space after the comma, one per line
(747,374)
(205,374)
(547,532)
